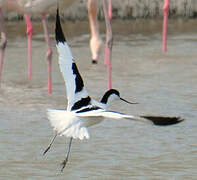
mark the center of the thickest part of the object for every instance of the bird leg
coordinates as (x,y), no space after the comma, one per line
(109,39)
(165,23)
(49,51)
(95,40)
(66,159)
(49,146)
(3,42)
(29,41)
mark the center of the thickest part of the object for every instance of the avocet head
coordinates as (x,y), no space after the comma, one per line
(111,95)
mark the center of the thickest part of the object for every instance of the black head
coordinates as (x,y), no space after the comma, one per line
(112,94)
(108,94)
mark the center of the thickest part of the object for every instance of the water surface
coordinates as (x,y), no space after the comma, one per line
(163,84)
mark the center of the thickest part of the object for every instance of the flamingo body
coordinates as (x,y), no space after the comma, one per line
(34,6)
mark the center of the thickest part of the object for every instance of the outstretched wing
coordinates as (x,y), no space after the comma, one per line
(76,92)
(156,120)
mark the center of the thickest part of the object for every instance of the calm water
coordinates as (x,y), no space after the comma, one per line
(163,84)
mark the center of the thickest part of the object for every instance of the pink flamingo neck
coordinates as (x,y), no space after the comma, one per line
(95,40)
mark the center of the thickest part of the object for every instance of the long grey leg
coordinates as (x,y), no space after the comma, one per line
(66,160)
(49,146)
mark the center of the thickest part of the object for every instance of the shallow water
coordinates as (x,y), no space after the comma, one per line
(163,84)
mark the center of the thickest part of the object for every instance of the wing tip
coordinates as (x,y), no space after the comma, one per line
(164,120)
(59,35)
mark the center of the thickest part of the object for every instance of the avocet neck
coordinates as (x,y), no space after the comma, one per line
(109,96)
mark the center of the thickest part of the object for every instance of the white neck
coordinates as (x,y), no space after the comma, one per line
(101,105)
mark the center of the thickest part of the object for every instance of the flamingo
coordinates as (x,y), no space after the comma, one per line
(42,7)
(95,41)
(166,7)
(29,7)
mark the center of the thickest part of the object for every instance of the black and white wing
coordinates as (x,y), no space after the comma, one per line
(156,120)
(77,94)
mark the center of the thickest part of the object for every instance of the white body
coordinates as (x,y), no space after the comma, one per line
(72,124)
(34,6)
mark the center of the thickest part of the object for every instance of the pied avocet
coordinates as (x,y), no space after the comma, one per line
(83,111)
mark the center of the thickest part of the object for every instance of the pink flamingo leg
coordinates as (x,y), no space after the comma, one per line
(3,42)
(49,51)
(29,41)
(165,23)
(95,41)
(109,40)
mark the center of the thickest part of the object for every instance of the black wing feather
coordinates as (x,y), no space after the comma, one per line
(163,121)
(59,35)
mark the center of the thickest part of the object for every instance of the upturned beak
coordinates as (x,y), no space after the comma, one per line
(128,101)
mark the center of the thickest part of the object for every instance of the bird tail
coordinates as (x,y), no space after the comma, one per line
(66,124)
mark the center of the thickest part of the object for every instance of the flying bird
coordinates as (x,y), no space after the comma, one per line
(83,111)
